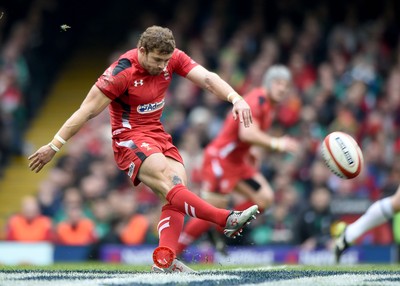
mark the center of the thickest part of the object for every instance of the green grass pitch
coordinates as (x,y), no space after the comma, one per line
(101,274)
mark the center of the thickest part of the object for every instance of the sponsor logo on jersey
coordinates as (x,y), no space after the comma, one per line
(150,107)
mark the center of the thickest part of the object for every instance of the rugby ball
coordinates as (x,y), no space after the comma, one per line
(342,155)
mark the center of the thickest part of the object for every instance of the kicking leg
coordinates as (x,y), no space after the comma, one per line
(163,177)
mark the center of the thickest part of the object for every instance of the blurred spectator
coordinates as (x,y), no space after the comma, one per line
(304,74)
(312,229)
(49,198)
(132,226)
(29,225)
(275,227)
(72,197)
(11,114)
(125,224)
(102,213)
(76,229)
(93,186)
(321,95)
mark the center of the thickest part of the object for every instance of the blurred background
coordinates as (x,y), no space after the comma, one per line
(345,60)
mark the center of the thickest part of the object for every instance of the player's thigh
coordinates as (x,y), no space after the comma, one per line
(256,189)
(161,174)
(155,173)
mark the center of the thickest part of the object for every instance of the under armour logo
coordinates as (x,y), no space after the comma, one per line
(234,222)
(138,82)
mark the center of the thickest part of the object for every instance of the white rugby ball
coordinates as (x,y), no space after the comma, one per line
(342,155)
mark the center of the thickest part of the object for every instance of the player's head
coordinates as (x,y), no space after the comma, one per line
(155,47)
(277,81)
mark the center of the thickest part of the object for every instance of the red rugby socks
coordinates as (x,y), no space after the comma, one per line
(170,226)
(192,205)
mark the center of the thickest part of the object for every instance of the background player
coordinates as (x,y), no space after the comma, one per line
(228,165)
(134,89)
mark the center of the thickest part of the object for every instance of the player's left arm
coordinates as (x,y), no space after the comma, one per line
(255,136)
(216,85)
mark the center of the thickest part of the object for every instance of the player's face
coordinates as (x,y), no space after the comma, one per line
(154,62)
(279,89)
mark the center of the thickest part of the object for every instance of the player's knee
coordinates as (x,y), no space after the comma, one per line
(266,199)
(159,182)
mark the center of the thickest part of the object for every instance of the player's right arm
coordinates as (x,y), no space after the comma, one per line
(94,103)
(216,85)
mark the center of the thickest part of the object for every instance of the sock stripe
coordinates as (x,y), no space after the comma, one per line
(164,223)
(193,210)
(162,227)
(164,219)
(186,208)
(190,212)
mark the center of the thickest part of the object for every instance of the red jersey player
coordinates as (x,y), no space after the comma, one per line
(226,164)
(134,89)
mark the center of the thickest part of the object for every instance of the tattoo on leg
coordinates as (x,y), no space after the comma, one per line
(176,180)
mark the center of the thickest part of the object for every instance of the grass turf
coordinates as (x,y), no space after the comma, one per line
(98,266)
(103,274)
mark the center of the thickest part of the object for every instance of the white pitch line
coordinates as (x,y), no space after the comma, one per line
(337,280)
(96,279)
(87,278)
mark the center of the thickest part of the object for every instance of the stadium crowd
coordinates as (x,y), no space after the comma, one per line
(346,76)
(32,51)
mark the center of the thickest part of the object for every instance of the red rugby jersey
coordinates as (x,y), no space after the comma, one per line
(227,144)
(138,97)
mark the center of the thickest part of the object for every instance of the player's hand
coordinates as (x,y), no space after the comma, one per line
(285,144)
(40,158)
(242,110)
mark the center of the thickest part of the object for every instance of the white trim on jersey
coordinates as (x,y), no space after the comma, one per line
(227,149)
(127,144)
(126,124)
